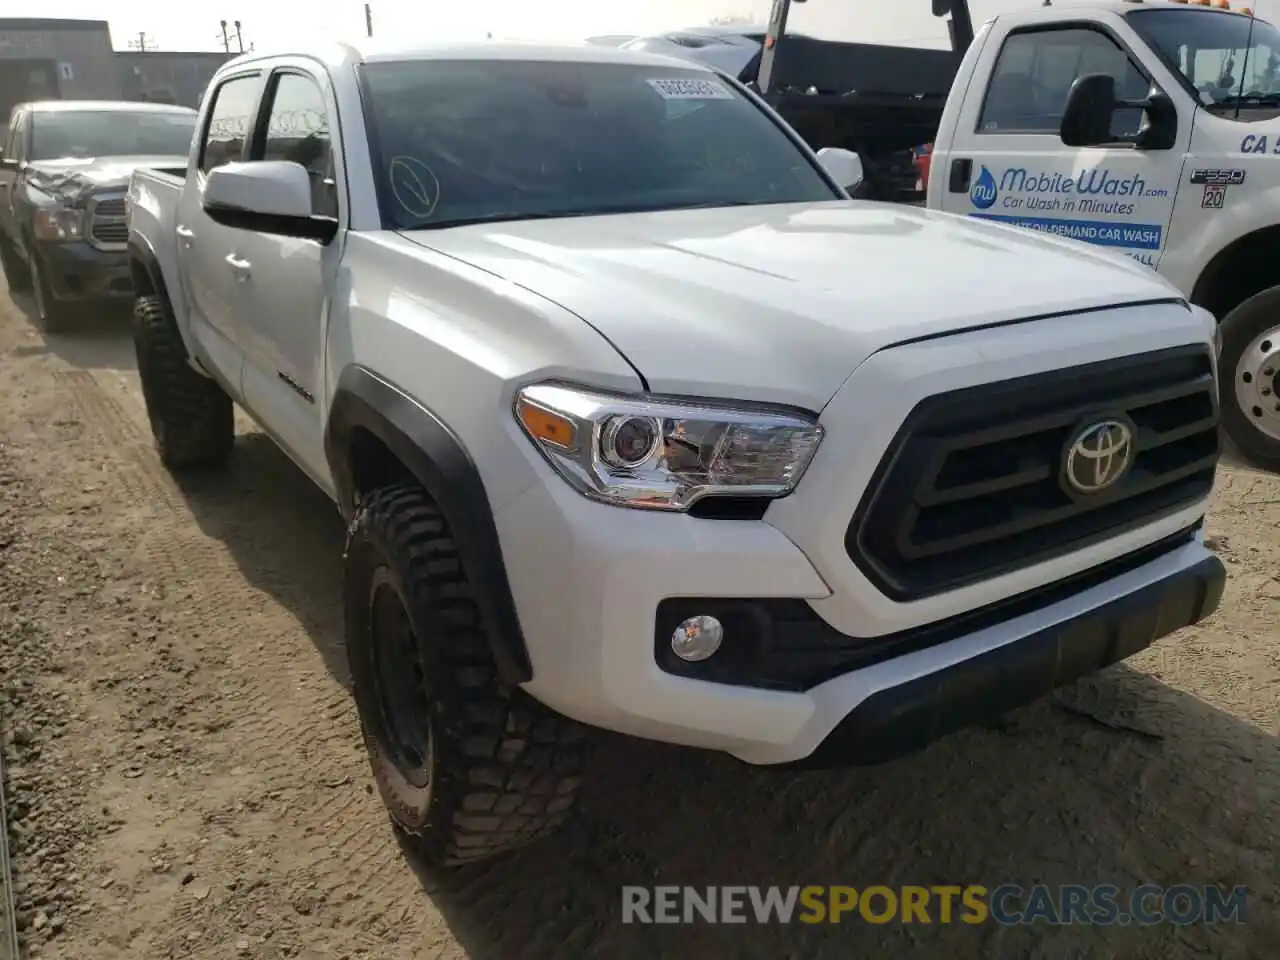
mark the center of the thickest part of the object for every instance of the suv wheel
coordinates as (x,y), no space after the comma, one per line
(192,418)
(52,315)
(466,765)
(16,274)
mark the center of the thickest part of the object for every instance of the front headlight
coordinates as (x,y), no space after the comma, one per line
(58,224)
(665,454)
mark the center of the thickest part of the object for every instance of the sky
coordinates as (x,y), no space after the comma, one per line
(173,25)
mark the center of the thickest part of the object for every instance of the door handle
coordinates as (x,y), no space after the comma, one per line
(241,267)
(961,172)
(186,235)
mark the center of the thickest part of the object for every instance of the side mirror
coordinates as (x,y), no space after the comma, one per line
(1091,107)
(843,166)
(266,196)
(1091,103)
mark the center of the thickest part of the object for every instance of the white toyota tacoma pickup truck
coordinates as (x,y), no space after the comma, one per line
(639,422)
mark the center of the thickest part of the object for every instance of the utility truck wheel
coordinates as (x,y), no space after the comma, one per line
(192,418)
(1249,374)
(467,766)
(16,274)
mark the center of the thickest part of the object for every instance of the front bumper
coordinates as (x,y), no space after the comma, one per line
(590,579)
(78,272)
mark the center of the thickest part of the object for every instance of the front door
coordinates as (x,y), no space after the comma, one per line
(1008,163)
(205,248)
(288,279)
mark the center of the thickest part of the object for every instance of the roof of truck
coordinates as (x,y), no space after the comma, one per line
(373,51)
(1122,7)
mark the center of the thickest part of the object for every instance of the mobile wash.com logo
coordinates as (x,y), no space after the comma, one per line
(983,193)
(1008,904)
(1100,207)
(1095,190)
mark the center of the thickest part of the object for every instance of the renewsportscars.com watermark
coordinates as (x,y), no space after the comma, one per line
(1008,904)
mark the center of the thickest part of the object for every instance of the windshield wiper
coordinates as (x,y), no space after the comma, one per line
(1258,99)
(599,211)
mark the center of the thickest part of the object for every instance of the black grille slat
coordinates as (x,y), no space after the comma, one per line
(971,486)
(108,224)
(111,232)
(114,207)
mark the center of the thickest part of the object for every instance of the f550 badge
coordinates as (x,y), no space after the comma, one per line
(1218,178)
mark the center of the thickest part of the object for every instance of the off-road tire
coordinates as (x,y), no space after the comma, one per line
(503,770)
(16,274)
(1239,328)
(192,418)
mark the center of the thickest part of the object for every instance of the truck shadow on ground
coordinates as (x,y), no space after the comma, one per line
(1120,779)
(99,339)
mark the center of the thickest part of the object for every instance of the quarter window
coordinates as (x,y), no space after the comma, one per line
(229,122)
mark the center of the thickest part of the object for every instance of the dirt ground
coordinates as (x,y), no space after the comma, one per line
(187,780)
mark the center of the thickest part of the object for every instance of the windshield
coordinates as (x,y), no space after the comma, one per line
(61,134)
(1209,50)
(472,140)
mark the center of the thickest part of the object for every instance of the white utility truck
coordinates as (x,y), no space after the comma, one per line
(1151,129)
(638,421)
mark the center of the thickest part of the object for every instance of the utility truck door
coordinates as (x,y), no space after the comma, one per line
(1007,160)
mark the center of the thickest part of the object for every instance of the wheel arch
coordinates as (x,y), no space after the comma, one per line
(1239,270)
(376,433)
(145,270)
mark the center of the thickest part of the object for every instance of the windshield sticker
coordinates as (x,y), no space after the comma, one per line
(1257,143)
(413,186)
(691,88)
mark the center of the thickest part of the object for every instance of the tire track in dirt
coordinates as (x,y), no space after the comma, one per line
(289,722)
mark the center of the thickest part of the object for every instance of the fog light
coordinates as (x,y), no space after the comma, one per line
(697,638)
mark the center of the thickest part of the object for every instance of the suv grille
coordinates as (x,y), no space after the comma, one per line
(972,485)
(108,225)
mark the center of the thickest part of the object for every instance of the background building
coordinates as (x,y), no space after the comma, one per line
(165,77)
(63,59)
(73,60)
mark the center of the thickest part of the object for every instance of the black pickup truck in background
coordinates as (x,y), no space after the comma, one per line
(64,174)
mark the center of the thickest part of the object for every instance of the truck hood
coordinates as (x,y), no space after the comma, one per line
(72,178)
(783,302)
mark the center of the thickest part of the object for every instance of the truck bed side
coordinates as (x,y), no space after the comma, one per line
(153,205)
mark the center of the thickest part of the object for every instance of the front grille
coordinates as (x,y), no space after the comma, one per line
(971,487)
(110,208)
(108,225)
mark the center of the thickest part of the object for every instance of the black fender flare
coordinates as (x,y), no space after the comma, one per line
(144,256)
(440,462)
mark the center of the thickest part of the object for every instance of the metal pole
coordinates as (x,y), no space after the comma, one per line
(772,46)
(368,20)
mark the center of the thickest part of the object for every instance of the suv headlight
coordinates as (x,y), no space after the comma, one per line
(58,224)
(665,454)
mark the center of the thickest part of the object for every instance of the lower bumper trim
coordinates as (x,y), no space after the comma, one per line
(901,720)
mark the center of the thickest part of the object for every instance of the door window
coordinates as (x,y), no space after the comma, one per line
(229,122)
(1034,74)
(298,130)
